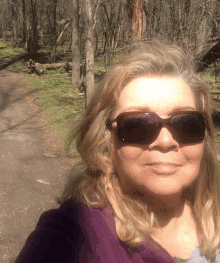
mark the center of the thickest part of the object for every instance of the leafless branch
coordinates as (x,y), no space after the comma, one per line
(95,14)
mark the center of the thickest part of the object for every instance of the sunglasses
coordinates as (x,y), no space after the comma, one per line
(187,127)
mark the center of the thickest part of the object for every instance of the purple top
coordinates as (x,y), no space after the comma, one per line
(76,233)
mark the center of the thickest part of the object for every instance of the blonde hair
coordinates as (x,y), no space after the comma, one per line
(97,184)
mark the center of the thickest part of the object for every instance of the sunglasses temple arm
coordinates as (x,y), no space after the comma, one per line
(109,123)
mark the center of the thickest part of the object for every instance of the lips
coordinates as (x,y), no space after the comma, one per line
(164,163)
(162,168)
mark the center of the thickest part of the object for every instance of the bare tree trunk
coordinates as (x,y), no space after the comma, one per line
(33,36)
(14,22)
(89,50)
(54,29)
(95,14)
(137,18)
(76,53)
(24,29)
(55,19)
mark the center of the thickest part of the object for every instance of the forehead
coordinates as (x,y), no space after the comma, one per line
(160,95)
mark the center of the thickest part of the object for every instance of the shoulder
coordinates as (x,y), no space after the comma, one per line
(80,234)
(72,215)
(72,233)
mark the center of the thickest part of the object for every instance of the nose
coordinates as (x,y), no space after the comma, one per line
(164,141)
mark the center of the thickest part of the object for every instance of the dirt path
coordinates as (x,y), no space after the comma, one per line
(32,164)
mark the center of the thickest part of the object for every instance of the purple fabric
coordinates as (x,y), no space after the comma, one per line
(79,234)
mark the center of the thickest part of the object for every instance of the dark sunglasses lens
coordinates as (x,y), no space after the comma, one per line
(188,128)
(140,128)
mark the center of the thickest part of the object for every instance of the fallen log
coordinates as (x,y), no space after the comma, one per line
(207,57)
(34,67)
(57,65)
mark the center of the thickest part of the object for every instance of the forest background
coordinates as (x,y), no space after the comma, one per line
(76,41)
(88,29)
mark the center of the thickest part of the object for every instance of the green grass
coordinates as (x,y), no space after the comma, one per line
(212,77)
(59,99)
(116,58)
(7,51)
(3,44)
(19,66)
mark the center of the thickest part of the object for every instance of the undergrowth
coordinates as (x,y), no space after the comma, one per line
(212,77)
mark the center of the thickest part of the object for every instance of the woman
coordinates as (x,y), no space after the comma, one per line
(149,187)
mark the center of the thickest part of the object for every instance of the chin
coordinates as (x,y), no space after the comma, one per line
(170,192)
(172,187)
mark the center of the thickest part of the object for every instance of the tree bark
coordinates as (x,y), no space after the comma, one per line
(137,18)
(14,22)
(33,36)
(24,29)
(89,50)
(55,19)
(54,28)
(76,53)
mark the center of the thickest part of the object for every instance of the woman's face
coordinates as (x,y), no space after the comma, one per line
(164,167)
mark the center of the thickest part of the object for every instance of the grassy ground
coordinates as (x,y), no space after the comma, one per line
(212,77)
(54,93)
(61,102)
(7,51)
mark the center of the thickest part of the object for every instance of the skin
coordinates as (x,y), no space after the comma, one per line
(160,185)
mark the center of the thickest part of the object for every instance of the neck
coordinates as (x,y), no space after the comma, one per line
(174,216)
(167,209)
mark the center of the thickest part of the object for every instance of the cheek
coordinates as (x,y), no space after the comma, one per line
(128,154)
(194,154)
(124,154)
(125,157)
(126,161)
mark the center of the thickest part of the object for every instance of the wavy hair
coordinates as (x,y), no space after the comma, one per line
(96,183)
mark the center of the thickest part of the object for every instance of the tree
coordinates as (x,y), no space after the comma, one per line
(34,36)
(14,16)
(52,19)
(24,24)
(89,46)
(111,19)
(191,24)
(76,54)
(136,14)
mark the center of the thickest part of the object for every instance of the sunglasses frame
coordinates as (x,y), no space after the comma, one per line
(164,122)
